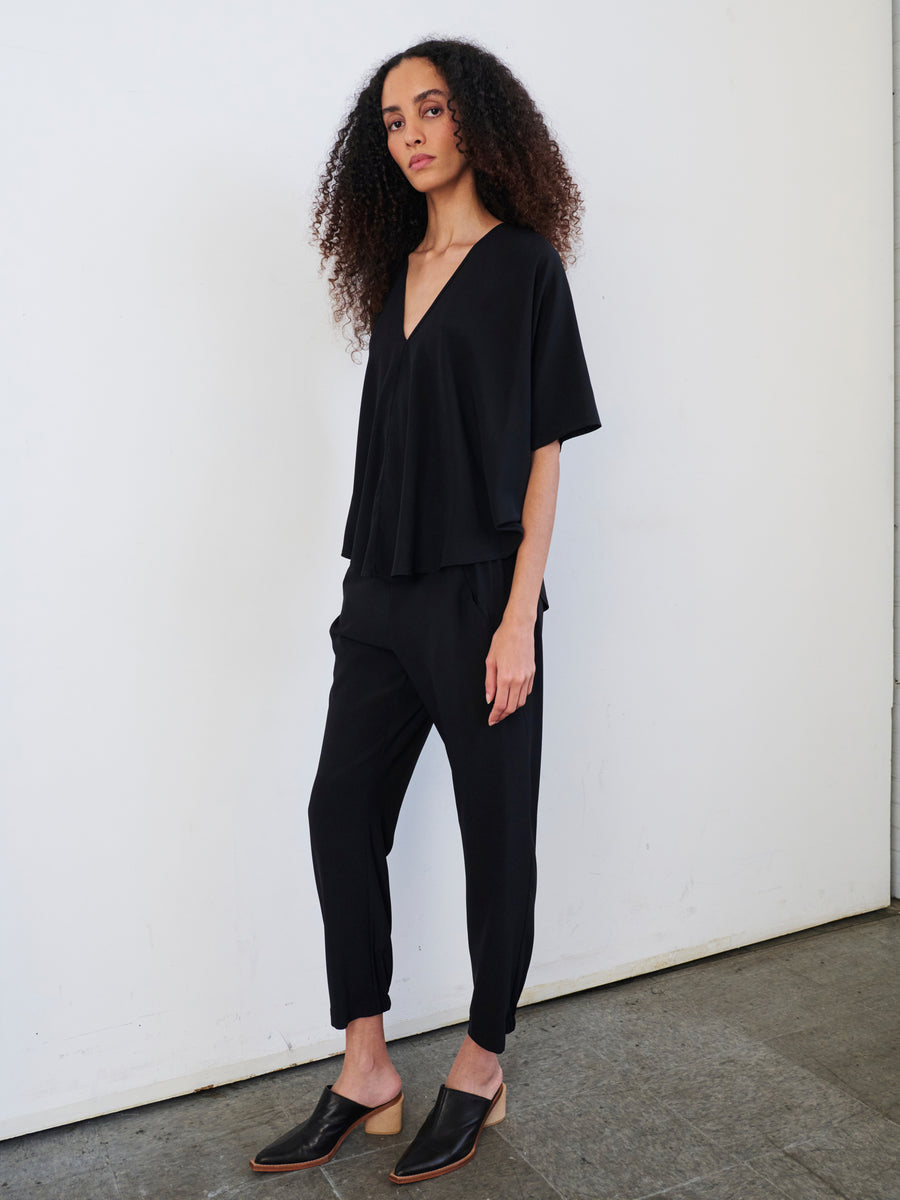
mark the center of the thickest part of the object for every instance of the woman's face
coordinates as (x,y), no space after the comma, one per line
(420,129)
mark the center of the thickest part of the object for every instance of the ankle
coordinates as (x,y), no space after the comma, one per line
(368,1069)
(475,1070)
(362,1062)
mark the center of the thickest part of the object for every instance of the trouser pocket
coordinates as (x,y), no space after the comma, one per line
(489,585)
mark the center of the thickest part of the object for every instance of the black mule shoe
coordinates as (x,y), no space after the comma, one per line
(450,1134)
(317,1139)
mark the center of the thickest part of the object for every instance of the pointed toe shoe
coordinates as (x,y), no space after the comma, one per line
(318,1138)
(449,1136)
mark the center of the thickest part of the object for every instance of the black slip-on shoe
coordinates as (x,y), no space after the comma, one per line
(449,1137)
(318,1138)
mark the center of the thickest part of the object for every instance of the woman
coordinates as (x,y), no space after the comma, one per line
(444,209)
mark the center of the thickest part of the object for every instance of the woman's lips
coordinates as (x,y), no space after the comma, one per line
(420,160)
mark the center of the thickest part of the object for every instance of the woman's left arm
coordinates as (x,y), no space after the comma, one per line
(510,661)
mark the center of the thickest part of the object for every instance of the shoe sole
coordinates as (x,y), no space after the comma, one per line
(460,1162)
(318,1162)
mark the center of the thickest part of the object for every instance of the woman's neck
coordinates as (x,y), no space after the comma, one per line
(456,216)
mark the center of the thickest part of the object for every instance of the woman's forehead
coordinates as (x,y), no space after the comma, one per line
(408,80)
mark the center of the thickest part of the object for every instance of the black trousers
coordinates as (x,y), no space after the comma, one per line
(410,653)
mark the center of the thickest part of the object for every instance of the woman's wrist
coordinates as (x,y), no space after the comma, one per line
(521,614)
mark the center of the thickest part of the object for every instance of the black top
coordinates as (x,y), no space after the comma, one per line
(449,417)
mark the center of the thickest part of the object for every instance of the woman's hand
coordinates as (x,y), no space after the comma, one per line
(510,661)
(510,667)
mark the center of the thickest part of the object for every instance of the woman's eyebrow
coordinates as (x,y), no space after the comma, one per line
(417,99)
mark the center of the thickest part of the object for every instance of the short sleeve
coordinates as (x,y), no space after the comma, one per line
(562,399)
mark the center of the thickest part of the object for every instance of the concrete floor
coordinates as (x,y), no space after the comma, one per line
(766,1073)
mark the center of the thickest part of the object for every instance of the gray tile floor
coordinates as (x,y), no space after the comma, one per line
(769,1073)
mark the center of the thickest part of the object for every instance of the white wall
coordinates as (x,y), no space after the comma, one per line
(177,448)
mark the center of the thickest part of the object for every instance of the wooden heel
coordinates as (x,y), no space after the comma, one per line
(498,1112)
(388,1120)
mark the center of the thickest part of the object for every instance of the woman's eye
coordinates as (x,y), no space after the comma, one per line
(435,108)
(393,125)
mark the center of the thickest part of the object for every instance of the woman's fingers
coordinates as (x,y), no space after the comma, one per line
(490,679)
(511,694)
(501,705)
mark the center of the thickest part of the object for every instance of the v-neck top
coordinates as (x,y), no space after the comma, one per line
(449,416)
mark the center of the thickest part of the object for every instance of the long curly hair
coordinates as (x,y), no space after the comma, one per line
(367,217)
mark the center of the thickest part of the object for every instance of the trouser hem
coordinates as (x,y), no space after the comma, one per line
(339,1022)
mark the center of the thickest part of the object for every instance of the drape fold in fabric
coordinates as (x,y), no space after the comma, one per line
(450,416)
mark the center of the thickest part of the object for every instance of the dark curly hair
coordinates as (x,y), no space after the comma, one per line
(367,217)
